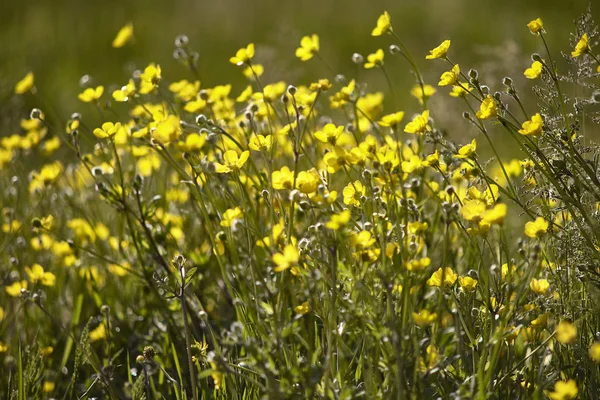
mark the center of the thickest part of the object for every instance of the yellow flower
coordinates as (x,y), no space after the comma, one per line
(230,216)
(467,283)
(283,179)
(37,274)
(375,59)
(362,240)
(254,71)
(353,193)
(541,321)
(487,109)
(260,142)
(460,89)
(418,265)
(539,286)
(302,309)
(440,51)
(108,130)
(595,352)
(243,55)
(15,288)
(392,119)
(536,26)
(308,181)
(149,78)
(48,387)
(98,333)
(445,275)
(495,215)
(124,35)
(537,228)
(564,390)
(450,77)
(329,134)
(384,25)
(309,46)
(1,313)
(3,348)
(419,124)
(473,210)
(25,84)
(193,142)
(581,47)
(232,162)
(566,332)
(533,126)
(337,221)
(424,318)
(289,258)
(91,94)
(424,93)
(534,71)
(467,150)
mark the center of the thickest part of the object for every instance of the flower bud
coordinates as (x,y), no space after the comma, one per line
(357,58)
(181,41)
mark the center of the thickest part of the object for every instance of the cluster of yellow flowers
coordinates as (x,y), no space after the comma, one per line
(294,179)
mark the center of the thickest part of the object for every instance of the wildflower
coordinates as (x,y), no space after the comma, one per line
(243,56)
(450,77)
(309,46)
(253,71)
(308,181)
(193,142)
(283,179)
(460,89)
(230,216)
(595,352)
(98,333)
(467,283)
(124,35)
(533,126)
(424,318)
(541,321)
(48,386)
(417,227)
(149,78)
(537,228)
(442,277)
(536,26)
(321,84)
(487,109)
(375,59)
(384,25)
(289,258)
(419,124)
(14,289)
(539,286)
(342,97)
(392,119)
(302,309)
(91,94)
(418,265)
(495,215)
(473,210)
(440,51)
(581,47)
(167,130)
(108,130)
(362,240)
(37,274)
(232,162)
(534,71)
(353,193)
(261,143)
(329,134)
(337,221)
(566,332)
(564,390)
(25,84)
(467,151)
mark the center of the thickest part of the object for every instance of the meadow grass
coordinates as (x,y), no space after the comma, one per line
(280,241)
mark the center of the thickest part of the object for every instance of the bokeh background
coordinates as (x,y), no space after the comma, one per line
(62,40)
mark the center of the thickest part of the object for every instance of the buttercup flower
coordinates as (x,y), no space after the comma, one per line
(440,51)
(243,55)
(581,47)
(123,36)
(309,46)
(534,71)
(533,126)
(537,228)
(419,124)
(232,162)
(487,109)
(91,94)
(25,84)
(536,26)
(375,59)
(384,25)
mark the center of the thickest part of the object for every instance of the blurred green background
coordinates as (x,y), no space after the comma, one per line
(62,40)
